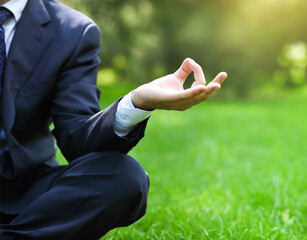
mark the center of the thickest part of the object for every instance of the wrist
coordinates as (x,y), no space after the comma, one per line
(135,100)
(138,100)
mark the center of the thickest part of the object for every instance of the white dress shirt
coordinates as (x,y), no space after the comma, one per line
(127,116)
(16,7)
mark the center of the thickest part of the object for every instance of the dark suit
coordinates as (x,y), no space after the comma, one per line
(50,76)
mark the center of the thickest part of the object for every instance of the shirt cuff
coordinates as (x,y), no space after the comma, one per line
(127,116)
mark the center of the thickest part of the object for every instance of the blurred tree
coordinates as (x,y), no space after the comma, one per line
(145,39)
(293,61)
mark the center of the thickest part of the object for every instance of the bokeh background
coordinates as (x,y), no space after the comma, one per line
(233,167)
(261,44)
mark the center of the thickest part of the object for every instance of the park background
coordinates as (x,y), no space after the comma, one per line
(235,166)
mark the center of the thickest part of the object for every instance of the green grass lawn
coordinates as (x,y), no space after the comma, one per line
(225,170)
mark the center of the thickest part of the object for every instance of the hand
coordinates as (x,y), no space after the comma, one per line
(168,92)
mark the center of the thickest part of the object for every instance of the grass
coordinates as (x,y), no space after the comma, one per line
(225,170)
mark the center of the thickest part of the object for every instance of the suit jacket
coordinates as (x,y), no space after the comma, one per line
(50,76)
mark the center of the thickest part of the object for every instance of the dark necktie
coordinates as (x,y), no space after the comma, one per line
(5,14)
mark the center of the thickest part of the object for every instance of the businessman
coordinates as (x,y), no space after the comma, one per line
(49,59)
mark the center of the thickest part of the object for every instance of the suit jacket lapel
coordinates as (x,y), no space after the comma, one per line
(28,46)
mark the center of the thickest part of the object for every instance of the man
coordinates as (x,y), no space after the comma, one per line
(49,59)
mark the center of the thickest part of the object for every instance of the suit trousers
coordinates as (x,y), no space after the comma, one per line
(83,200)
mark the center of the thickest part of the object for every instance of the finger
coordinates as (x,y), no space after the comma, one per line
(219,78)
(187,67)
(213,86)
(186,99)
(201,91)
(199,75)
(196,96)
(209,90)
(193,96)
(183,72)
(188,93)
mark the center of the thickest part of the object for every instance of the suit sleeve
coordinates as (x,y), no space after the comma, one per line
(80,126)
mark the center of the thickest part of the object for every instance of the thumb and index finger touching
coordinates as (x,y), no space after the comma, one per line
(188,66)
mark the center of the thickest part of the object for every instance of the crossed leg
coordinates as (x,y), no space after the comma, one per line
(84,200)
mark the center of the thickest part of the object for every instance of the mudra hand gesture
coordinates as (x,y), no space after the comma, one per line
(168,92)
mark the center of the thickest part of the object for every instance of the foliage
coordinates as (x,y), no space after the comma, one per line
(293,60)
(145,39)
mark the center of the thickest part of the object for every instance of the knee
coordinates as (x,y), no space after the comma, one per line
(132,185)
(133,176)
(127,189)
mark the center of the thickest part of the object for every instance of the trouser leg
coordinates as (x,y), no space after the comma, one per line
(86,199)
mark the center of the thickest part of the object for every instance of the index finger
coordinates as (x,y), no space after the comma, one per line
(199,75)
